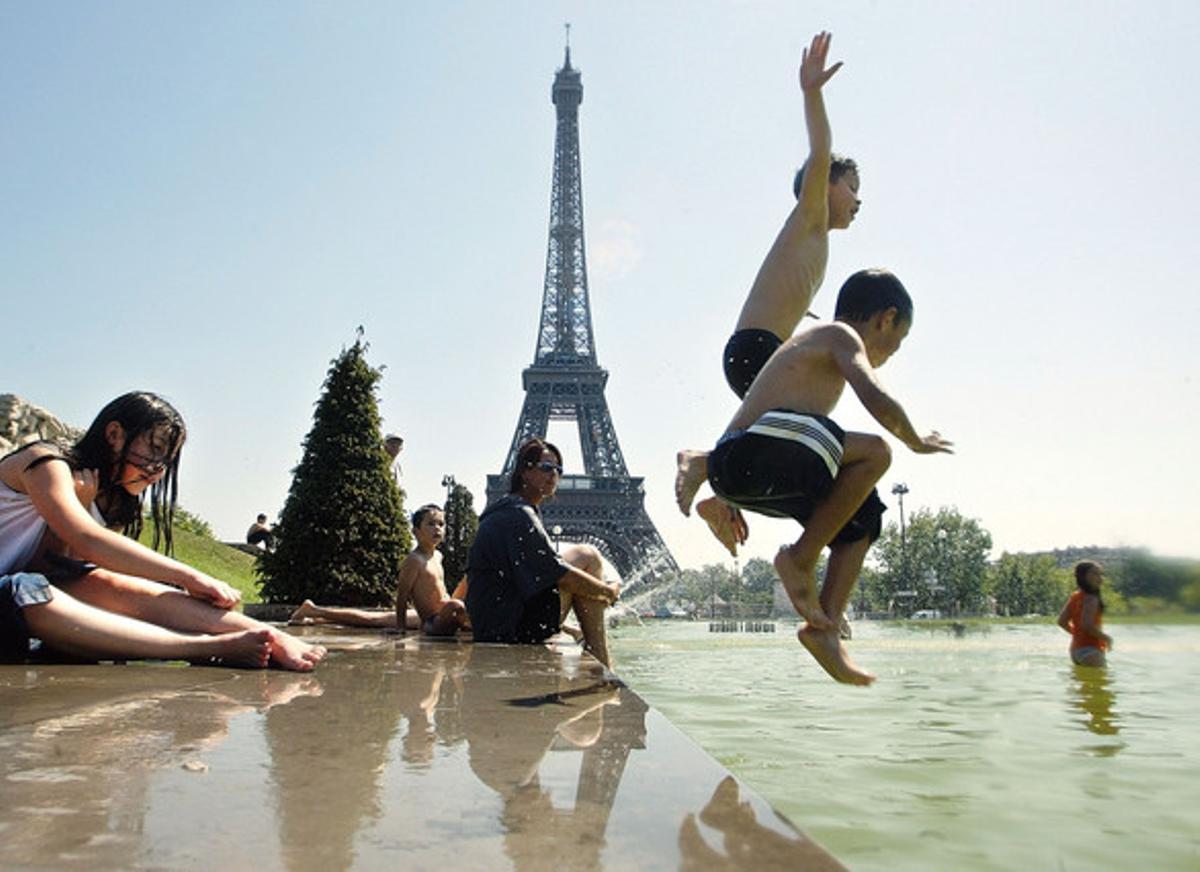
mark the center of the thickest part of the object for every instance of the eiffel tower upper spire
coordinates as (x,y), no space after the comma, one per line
(565,335)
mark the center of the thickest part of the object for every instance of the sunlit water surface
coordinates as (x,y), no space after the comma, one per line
(987,750)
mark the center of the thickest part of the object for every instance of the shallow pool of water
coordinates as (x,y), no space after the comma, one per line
(988,750)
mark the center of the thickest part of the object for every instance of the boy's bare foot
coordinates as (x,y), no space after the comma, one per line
(800,582)
(691,469)
(829,652)
(304,614)
(288,652)
(725,522)
(574,632)
(248,648)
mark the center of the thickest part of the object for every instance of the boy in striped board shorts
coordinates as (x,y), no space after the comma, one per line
(782,456)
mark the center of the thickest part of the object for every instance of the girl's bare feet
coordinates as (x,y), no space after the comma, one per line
(288,652)
(249,648)
(828,651)
(800,581)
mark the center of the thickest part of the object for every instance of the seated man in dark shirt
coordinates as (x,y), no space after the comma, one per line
(518,587)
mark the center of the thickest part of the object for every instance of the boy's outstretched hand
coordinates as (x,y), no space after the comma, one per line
(812,63)
(933,444)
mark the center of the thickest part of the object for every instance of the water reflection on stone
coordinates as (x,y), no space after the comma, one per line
(407,752)
(79,746)
(509,732)
(743,842)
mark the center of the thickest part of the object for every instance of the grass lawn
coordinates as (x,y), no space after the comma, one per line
(215,558)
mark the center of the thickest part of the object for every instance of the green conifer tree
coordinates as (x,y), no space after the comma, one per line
(342,533)
(461,525)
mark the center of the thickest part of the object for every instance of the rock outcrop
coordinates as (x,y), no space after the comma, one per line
(22,422)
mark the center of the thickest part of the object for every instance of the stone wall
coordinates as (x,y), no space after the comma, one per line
(22,422)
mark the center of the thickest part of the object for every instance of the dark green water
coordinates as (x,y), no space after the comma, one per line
(983,751)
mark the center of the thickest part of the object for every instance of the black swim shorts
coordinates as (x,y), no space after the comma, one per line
(746,353)
(783,466)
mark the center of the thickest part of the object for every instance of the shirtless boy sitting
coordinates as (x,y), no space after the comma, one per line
(422,581)
(781,456)
(826,190)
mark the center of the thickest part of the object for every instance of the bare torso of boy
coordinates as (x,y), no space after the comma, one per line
(802,376)
(789,276)
(422,581)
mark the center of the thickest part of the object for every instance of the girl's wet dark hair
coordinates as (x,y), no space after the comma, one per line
(137,412)
(1082,568)
(528,455)
(419,515)
(869,291)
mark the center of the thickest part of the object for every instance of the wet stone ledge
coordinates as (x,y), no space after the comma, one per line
(398,752)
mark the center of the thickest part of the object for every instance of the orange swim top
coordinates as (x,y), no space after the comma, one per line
(1080,638)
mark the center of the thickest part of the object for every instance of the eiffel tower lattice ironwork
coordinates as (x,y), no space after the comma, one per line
(605,506)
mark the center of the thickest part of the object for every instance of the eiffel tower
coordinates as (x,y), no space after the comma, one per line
(603,507)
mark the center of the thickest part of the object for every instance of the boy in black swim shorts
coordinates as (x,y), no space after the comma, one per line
(782,456)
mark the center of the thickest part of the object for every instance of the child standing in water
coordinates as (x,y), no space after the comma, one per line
(70,580)
(826,190)
(1083,614)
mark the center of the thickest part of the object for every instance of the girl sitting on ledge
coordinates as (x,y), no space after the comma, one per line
(68,579)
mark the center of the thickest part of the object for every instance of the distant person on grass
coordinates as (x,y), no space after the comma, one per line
(420,581)
(826,190)
(70,581)
(1083,614)
(259,532)
(781,456)
(519,588)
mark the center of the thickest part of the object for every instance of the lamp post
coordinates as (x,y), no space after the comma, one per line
(941,557)
(556,531)
(899,489)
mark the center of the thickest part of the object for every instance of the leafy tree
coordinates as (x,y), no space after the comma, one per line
(461,526)
(943,562)
(1144,575)
(342,533)
(1028,584)
(759,576)
(185,520)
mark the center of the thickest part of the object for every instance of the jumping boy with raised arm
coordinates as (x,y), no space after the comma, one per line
(781,456)
(826,191)
(422,580)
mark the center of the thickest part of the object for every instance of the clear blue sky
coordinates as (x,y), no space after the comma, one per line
(206,200)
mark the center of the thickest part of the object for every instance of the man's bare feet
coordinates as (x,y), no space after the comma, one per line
(800,582)
(248,648)
(288,652)
(304,614)
(828,651)
(725,522)
(691,469)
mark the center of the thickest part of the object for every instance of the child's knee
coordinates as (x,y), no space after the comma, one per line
(878,453)
(584,557)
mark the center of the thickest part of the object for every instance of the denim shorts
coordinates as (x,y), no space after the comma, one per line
(17,591)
